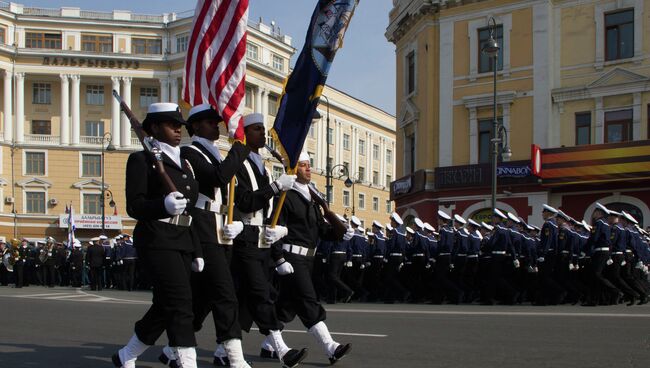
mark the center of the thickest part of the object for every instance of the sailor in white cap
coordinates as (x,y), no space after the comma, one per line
(432,245)
(418,255)
(550,290)
(166,244)
(376,256)
(514,224)
(444,261)
(621,237)
(95,261)
(359,248)
(502,253)
(304,216)
(632,268)
(395,250)
(76,263)
(471,266)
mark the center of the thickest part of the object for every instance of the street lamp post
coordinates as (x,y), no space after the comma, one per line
(108,138)
(328,169)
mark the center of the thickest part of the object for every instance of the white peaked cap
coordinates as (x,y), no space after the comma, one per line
(489,227)
(76,243)
(304,156)
(370,233)
(428,227)
(377,224)
(514,218)
(199,108)
(474,223)
(254,118)
(103,237)
(396,218)
(94,239)
(355,220)
(460,219)
(419,223)
(162,107)
(443,215)
(602,208)
(630,218)
(549,209)
(341,218)
(409,230)
(389,227)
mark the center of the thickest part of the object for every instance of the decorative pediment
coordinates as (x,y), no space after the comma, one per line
(505,97)
(90,184)
(617,76)
(3,182)
(34,183)
(408,113)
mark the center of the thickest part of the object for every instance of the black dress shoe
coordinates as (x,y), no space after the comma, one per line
(221,362)
(116,360)
(166,361)
(293,357)
(268,354)
(340,352)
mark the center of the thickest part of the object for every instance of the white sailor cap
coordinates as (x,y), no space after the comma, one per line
(473,223)
(630,218)
(94,239)
(563,215)
(530,227)
(410,231)
(602,208)
(162,111)
(119,237)
(513,218)
(254,118)
(395,217)
(304,156)
(419,223)
(377,224)
(548,208)
(103,237)
(76,243)
(487,226)
(389,227)
(443,215)
(459,219)
(536,228)
(614,213)
(428,227)
(341,218)
(370,233)
(355,221)
(498,213)
(203,112)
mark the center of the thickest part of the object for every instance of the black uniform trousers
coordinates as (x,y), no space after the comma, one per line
(250,266)
(214,290)
(630,276)
(297,295)
(394,290)
(128,279)
(444,285)
(96,275)
(171,308)
(601,284)
(614,274)
(49,273)
(498,284)
(19,273)
(319,276)
(338,288)
(373,276)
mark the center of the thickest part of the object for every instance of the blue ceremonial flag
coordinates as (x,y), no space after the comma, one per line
(305,84)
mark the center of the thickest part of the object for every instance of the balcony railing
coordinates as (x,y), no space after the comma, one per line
(42,139)
(135,142)
(88,139)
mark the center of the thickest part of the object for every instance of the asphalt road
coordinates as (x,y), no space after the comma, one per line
(65,327)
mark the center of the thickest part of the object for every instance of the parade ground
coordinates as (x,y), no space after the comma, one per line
(66,327)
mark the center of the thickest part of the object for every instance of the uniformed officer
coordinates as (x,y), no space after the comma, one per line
(164,237)
(95,261)
(599,247)
(21,261)
(395,248)
(632,260)
(618,239)
(445,286)
(130,258)
(76,264)
(419,257)
(459,254)
(301,224)
(471,266)
(549,290)
(340,256)
(376,254)
(500,246)
(359,250)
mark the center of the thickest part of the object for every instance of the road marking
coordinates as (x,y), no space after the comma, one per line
(36,295)
(333,333)
(488,313)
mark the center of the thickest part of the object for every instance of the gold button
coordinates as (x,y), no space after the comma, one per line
(188,187)
(184,176)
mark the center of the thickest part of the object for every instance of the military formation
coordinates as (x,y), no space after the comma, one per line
(603,261)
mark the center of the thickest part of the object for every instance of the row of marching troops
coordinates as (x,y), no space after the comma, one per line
(98,264)
(507,261)
(201,260)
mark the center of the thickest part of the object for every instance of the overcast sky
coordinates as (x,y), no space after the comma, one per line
(364,68)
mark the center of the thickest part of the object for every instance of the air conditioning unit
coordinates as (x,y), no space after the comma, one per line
(53,202)
(9,200)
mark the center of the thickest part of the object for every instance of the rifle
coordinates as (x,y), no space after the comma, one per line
(152,147)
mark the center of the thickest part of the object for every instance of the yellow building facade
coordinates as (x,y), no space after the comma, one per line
(59,67)
(571,75)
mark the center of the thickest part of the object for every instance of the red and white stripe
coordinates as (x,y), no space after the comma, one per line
(215,65)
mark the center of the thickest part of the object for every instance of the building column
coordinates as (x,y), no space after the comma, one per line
(115,113)
(164,90)
(65,110)
(20,107)
(354,148)
(636,117)
(174,90)
(473,137)
(75,110)
(125,131)
(8,108)
(382,162)
(600,121)
(257,104)
(369,166)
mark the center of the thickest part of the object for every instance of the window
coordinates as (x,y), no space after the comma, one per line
(362,201)
(278,63)
(148,95)
(375,204)
(389,179)
(182,42)
(485,140)
(362,173)
(389,207)
(346,142)
(409,153)
(618,126)
(583,128)
(146,46)
(249,97)
(252,52)
(277,171)
(92,204)
(91,165)
(346,198)
(311,159)
(410,72)
(375,177)
(97,43)
(94,95)
(375,152)
(273,104)
(330,135)
(270,142)
(35,163)
(389,156)
(41,127)
(35,202)
(3,35)
(362,147)
(42,94)
(94,129)
(40,40)
(485,61)
(619,35)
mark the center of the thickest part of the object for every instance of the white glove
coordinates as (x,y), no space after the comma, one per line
(175,203)
(516,263)
(610,262)
(639,265)
(348,264)
(121,262)
(623,263)
(428,266)
(536,269)
(198,264)
(530,269)
(572,267)
(540,259)
(324,260)
(399,268)
(230,231)
(451,266)
(363,266)
(284,268)
(385,260)
(645,269)
(285,182)
(349,233)
(273,234)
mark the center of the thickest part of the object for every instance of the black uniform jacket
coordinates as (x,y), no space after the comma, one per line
(95,256)
(145,202)
(210,175)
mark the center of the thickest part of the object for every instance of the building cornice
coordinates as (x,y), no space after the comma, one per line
(505,97)
(631,83)
(409,13)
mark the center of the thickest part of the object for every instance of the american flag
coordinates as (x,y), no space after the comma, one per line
(215,65)
(71,226)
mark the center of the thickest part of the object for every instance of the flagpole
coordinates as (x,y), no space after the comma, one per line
(231,200)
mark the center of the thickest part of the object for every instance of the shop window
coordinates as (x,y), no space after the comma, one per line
(618,126)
